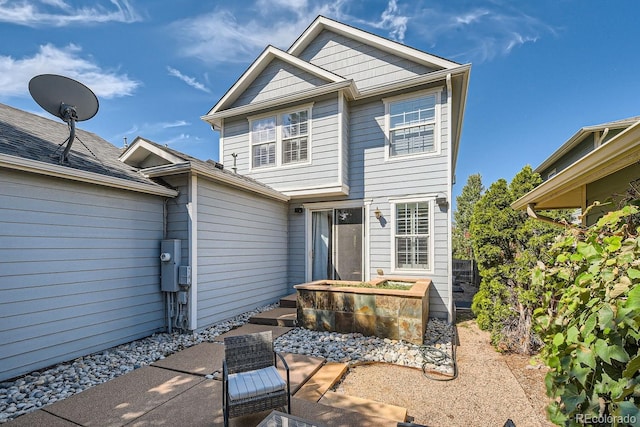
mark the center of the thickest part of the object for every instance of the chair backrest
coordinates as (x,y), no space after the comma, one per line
(249,352)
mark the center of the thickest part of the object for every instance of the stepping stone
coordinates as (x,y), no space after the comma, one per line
(301,368)
(326,377)
(250,328)
(364,406)
(40,418)
(276,317)
(125,398)
(201,359)
(290,301)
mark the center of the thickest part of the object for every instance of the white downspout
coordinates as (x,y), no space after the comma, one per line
(449,192)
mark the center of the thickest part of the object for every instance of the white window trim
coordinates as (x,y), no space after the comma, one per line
(437,126)
(279,143)
(430,269)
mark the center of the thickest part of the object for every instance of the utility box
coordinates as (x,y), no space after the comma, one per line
(170,254)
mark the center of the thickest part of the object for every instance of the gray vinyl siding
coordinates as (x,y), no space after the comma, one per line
(297,249)
(242,251)
(277,79)
(576,153)
(371,177)
(79,270)
(177,226)
(366,65)
(324,166)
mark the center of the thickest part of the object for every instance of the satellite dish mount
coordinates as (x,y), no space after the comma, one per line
(67,99)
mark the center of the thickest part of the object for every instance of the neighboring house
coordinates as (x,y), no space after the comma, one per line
(597,164)
(80,243)
(362,133)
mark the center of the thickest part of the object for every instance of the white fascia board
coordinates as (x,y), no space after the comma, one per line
(260,64)
(322,23)
(618,153)
(141,144)
(320,191)
(347,85)
(65,172)
(576,139)
(432,77)
(216,175)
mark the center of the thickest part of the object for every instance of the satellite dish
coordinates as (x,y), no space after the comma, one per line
(65,98)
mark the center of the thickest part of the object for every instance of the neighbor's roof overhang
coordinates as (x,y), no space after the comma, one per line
(65,172)
(566,189)
(579,136)
(215,174)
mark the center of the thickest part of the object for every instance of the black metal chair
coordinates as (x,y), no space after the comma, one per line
(250,379)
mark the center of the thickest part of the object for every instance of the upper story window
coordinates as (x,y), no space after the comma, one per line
(280,139)
(412,124)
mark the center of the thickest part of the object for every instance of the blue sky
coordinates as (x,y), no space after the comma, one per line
(541,69)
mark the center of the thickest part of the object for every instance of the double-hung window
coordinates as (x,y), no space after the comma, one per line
(281,139)
(412,235)
(263,142)
(412,124)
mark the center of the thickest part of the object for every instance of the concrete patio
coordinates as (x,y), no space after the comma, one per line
(176,391)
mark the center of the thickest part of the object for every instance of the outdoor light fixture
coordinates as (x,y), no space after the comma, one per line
(441,200)
(377,213)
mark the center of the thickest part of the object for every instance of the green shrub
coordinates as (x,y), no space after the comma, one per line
(590,322)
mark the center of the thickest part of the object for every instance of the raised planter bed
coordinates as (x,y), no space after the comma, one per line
(367,308)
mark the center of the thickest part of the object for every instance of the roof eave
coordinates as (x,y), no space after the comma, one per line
(621,151)
(216,175)
(64,172)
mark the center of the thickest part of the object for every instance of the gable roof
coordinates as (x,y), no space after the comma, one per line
(28,142)
(580,135)
(565,190)
(269,54)
(162,161)
(442,68)
(323,23)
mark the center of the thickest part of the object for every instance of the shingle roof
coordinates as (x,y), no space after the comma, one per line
(209,164)
(32,137)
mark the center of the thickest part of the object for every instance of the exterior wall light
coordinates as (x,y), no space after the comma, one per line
(377,213)
(441,200)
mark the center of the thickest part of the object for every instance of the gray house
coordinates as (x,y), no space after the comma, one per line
(362,133)
(340,157)
(80,243)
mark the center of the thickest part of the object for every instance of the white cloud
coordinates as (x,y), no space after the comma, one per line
(176,124)
(16,73)
(486,31)
(58,13)
(391,20)
(188,80)
(222,36)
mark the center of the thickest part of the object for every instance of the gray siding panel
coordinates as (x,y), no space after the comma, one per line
(78,269)
(366,65)
(324,167)
(277,79)
(242,251)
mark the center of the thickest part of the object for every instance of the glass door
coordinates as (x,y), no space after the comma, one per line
(336,244)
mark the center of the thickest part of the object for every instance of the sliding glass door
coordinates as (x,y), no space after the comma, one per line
(336,244)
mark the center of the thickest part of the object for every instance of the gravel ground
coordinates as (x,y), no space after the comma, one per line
(486,392)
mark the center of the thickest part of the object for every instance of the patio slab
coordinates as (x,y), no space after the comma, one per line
(201,359)
(322,381)
(40,418)
(251,328)
(123,399)
(337,417)
(276,317)
(301,368)
(364,406)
